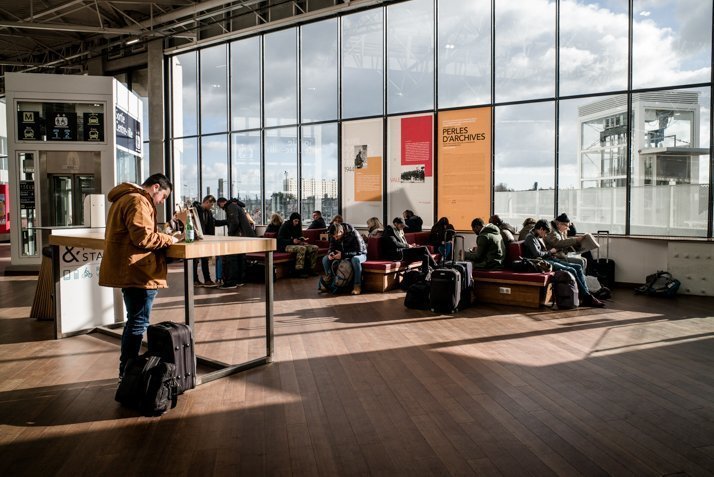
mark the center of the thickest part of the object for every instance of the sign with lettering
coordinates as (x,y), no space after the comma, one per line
(128,131)
(28,126)
(93,127)
(27,194)
(61,126)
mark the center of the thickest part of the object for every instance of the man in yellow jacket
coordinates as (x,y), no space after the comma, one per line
(134,256)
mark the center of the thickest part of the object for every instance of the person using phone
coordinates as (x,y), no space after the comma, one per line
(345,243)
(291,240)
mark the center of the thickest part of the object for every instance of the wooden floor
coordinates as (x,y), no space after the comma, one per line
(362,386)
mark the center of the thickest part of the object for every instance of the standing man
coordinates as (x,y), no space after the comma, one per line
(239,225)
(208,226)
(135,255)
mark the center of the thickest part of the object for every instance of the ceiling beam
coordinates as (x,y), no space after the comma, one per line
(72,28)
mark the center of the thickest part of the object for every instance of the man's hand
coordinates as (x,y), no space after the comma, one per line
(337,255)
(297,241)
(579,238)
(176,237)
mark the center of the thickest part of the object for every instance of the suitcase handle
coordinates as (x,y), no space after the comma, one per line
(606,235)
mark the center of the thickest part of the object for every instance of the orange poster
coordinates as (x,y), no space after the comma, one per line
(368,179)
(464,173)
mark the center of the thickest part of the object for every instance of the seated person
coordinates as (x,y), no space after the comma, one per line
(395,247)
(290,240)
(345,243)
(558,239)
(275,222)
(412,222)
(490,250)
(317,221)
(440,237)
(534,247)
(507,230)
(527,227)
(374,227)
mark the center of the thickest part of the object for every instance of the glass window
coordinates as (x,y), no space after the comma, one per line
(593,56)
(670,162)
(592,162)
(671,42)
(319,171)
(281,171)
(245,172)
(186,171)
(214,91)
(525,49)
(127,167)
(318,69)
(410,56)
(214,166)
(245,83)
(464,52)
(363,64)
(280,83)
(524,166)
(185,95)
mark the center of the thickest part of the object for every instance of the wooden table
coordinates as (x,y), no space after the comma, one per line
(210,246)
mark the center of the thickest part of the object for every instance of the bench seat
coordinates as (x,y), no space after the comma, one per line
(506,287)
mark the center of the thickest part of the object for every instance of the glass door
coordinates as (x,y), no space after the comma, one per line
(67,193)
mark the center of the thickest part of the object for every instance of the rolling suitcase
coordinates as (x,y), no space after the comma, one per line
(604,267)
(173,342)
(467,281)
(445,293)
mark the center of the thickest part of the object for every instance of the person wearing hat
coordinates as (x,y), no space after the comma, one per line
(395,246)
(291,240)
(558,239)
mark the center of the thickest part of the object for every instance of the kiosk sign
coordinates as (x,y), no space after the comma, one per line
(28,126)
(93,127)
(128,131)
(62,127)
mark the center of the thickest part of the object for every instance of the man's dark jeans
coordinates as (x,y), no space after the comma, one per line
(138,303)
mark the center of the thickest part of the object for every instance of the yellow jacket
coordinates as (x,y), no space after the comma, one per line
(134,251)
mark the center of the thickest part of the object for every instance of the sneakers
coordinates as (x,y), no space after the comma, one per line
(594,302)
(197,284)
(228,286)
(356,290)
(210,284)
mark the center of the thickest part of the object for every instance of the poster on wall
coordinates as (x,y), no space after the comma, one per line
(464,190)
(4,209)
(362,164)
(410,167)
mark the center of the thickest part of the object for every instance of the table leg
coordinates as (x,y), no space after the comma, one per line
(269,344)
(188,292)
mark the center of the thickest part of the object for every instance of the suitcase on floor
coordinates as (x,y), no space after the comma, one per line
(417,296)
(445,293)
(467,281)
(604,266)
(173,342)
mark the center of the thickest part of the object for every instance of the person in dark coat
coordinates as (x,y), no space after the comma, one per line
(345,243)
(490,251)
(274,226)
(204,211)
(440,237)
(291,240)
(395,246)
(318,222)
(412,222)
(239,225)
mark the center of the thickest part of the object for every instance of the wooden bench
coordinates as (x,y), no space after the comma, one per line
(506,287)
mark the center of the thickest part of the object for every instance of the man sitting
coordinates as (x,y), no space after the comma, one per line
(395,246)
(490,250)
(534,247)
(412,222)
(558,239)
(345,243)
(317,221)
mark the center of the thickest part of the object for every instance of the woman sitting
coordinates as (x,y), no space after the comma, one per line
(439,239)
(275,222)
(374,228)
(291,240)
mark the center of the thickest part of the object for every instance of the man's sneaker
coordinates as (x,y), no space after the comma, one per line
(241,284)
(209,284)
(197,284)
(226,286)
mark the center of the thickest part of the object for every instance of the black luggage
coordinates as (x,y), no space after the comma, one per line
(417,296)
(604,267)
(565,290)
(149,385)
(445,293)
(467,281)
(173,342)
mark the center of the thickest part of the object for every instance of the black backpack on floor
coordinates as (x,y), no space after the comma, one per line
(659,284)
(149,385)
(565,289)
